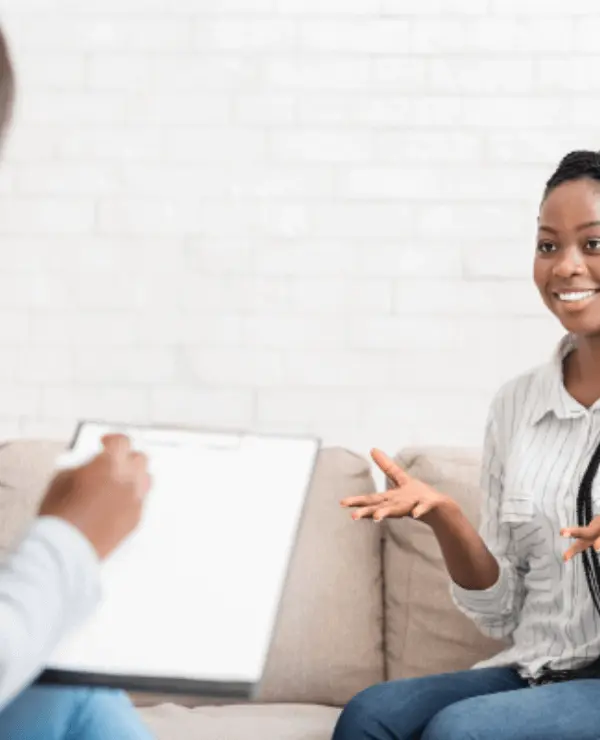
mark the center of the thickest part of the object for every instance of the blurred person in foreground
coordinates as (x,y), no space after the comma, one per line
(50,584)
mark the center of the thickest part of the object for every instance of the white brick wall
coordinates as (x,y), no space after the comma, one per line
(310,215)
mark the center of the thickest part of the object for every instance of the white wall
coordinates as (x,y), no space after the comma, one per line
(311,215)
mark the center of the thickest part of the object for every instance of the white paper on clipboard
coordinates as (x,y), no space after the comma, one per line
(194,593)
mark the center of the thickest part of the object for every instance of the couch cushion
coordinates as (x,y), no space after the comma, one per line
(26,467)
(328,641)
(425,632)
(276,722)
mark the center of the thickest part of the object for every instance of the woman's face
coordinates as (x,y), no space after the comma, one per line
(567,259)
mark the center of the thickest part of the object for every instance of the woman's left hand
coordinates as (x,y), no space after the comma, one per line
(585,537)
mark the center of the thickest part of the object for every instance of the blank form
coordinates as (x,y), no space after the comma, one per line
(194,592)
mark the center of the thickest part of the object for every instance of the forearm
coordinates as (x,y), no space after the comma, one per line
(47,587)
(485,588)
(469,562)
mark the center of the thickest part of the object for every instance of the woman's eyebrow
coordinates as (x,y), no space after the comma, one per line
(586,225)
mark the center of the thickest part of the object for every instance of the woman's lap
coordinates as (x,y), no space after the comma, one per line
(481,704)
(560,711)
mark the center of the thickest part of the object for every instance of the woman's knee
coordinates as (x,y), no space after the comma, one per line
(371,714)
(356,719)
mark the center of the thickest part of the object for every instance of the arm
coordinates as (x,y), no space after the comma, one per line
(486,573)
(48,586)
(487,578)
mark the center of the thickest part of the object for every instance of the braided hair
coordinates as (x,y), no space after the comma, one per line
(576,165)
(591,565)
(7,86)
(585,514)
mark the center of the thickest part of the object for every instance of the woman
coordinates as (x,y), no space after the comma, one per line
(51,582)
(519,578)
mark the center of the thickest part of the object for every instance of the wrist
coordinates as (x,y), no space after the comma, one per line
(446,511)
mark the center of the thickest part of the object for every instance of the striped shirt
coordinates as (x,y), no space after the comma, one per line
(538,443)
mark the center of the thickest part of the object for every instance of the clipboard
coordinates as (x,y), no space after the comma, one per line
(191,598)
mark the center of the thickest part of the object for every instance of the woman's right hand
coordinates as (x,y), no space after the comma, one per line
(468,559)
(104,498)
(410,497)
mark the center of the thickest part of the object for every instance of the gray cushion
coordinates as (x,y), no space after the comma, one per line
(425,632)
(26,466)
(328,644)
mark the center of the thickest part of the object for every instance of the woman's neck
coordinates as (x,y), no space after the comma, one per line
(582,370)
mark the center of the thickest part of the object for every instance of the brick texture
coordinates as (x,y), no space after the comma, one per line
(294,215)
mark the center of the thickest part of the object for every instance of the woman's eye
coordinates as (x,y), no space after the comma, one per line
(546,247)
(593,245)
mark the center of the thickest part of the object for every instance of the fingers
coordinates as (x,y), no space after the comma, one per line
(364,512)
(385,463)
(579,532)
(138,462)
(117,445)
(371,499)
(585,537)
(422,509)
(588,536)
(379,506)
(406,508)
(576,548)
(383,512)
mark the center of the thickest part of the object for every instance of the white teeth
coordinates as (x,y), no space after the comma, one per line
(582,295)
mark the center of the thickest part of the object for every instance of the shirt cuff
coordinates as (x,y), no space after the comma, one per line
(485,601)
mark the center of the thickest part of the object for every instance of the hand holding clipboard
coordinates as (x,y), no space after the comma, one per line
(103,498)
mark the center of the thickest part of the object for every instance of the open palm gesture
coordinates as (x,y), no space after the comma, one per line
(410,497)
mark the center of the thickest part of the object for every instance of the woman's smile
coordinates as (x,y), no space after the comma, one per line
(575,299)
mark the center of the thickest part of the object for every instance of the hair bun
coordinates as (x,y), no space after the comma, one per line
(574,166)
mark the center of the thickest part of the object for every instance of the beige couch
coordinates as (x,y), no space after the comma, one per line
(363,603)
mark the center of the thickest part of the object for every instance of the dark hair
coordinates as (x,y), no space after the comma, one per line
(576,165)
(7,86)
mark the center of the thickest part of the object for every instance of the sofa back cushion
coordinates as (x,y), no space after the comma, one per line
(328,643)
(425,632)
(26,467)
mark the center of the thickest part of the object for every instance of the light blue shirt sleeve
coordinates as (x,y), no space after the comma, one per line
(48,586)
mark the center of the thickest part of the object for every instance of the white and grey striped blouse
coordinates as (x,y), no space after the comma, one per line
(538,443)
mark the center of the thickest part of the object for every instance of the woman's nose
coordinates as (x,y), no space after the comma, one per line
(569,262)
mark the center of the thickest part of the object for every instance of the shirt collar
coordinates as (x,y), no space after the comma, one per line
(551,394)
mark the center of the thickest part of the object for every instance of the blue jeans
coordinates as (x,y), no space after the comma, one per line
(479,704)
(52,713)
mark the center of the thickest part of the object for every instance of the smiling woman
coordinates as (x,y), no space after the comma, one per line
(517,577)
(567,265)
(566,268)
